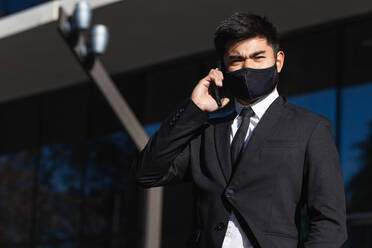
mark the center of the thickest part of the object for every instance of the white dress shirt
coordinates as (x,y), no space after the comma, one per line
(235,236)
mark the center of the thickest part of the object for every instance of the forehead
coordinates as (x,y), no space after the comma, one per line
(248,46)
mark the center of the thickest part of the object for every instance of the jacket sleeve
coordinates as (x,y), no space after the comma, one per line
(166,157)
(325,190)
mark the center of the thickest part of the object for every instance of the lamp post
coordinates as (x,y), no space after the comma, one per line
(87,47)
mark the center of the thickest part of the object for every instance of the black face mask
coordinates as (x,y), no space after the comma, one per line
(250,84)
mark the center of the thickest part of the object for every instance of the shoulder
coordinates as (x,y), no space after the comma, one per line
(302,122)
(303,114)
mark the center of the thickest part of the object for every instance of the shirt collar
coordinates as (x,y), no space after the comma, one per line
(260,106)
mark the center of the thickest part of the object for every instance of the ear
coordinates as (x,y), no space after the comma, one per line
(279,60)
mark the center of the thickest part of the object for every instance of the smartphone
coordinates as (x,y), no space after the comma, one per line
(216,89)
(217,95)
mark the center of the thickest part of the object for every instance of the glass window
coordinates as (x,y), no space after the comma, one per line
(16,191)
(356,146)
(59,192)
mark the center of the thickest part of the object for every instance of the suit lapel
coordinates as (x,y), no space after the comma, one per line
(260,133)
(222,142)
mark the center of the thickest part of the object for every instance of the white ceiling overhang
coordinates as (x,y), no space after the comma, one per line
(34,59)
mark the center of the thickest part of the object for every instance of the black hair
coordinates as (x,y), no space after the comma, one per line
(241,26)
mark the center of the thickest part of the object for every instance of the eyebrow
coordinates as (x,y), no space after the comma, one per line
(255,54)
(252,55)
(233,57)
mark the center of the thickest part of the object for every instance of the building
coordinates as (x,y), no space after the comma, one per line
(64,156)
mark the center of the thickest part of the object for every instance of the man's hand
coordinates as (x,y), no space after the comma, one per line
(202,95)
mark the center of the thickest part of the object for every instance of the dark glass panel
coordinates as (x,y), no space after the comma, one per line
(356,146)
(16,191)
(60,176)
(357,53)
(311,62)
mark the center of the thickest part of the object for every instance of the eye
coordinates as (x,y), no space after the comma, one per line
(235,61)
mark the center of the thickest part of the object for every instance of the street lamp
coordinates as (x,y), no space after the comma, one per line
(82,15)
(75,29)
(86,49)
(99,39)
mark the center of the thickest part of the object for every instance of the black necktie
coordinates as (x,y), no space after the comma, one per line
(238,140)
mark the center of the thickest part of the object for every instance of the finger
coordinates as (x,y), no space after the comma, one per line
(212,71)
(224,101)
(212,77)
(216,72)
(206,81)
(220,74)
(217,78)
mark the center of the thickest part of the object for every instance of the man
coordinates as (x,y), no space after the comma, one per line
(252,170)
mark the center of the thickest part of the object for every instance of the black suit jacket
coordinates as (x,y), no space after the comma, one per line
(290,160)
